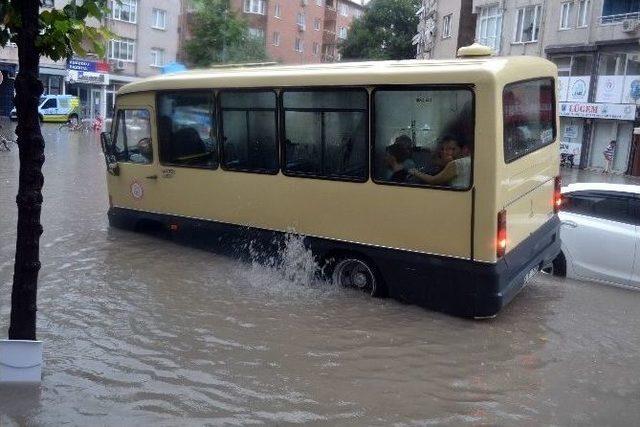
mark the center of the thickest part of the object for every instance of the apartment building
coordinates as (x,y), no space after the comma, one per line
(444,27)
(293,31)
(145,39)
(596,45)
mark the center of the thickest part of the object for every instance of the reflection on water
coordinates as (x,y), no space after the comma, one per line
(141,330)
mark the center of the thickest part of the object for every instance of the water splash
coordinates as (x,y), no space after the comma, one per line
(291,269)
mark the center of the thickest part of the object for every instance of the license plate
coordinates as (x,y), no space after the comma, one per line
(531,274)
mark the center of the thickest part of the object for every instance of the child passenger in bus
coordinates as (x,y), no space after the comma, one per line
(457,170)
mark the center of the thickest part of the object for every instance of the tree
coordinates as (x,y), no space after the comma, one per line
(385,31)
(218,36)
(56,33)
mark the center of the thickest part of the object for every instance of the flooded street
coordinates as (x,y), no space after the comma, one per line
(139,330)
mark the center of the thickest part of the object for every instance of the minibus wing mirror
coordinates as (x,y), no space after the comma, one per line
(109,151)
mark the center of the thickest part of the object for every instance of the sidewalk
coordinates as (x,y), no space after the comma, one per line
(572,175)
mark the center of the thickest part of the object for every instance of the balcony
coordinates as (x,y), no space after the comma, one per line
(616,19)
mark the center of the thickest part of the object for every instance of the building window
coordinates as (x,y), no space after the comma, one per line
(316,24)
(528,24)
(325,133)
(256,33)
(343,33)
(344,9)
(258,7)
(124,10)
(276,12)
(248,131)
(186,129)
(157,57)
(159,19)
(565,15)
(300,20)
(298,45)
(275,40)
(583,13)
(316,48)
(489,27)
(122,49)
(446,26)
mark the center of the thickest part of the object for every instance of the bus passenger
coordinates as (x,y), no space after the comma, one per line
(396,156)
(457,170)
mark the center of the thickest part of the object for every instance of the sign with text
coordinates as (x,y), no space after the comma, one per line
(578,90)
(88,65)
(631,90)
(87,77)
(572,148)
(609,89)
(598,111)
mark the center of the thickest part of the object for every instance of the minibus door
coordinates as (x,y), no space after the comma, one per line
(132,159)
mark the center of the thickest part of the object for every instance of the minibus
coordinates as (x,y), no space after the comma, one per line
(433,182)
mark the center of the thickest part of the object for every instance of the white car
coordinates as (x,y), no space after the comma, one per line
(600,232)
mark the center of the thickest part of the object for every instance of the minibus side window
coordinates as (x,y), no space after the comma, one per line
(325,133)
(424,137)
(186,129)
(133,136)
(248,131)
(529,117)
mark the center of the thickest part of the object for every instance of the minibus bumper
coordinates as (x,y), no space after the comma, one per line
(518,267)
(466,288)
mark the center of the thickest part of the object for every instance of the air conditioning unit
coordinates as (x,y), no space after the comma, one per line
(630,25)
(301,27)
(119,65)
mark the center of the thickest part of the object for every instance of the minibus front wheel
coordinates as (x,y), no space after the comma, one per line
(352,271)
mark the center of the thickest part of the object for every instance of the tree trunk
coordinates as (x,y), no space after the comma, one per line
(31,146)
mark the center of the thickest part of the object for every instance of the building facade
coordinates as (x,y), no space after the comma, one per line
(145,39)
(444,27)
(293,31)
(596,46)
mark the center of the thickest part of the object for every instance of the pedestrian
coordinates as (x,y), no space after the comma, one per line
(608,153)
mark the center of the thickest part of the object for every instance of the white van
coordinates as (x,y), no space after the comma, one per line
(55,108)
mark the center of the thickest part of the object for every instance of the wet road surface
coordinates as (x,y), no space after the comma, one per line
(139,330)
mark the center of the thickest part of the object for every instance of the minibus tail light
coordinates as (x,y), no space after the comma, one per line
(557,194)
(501,238)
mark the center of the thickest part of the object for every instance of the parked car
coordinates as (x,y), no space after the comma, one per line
(600,232)
(55,108)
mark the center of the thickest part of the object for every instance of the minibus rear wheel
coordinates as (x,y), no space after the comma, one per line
(354,271)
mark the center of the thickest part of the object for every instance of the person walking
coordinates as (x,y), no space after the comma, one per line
(608,153)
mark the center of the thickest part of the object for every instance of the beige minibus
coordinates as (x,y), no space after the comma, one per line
(433,182)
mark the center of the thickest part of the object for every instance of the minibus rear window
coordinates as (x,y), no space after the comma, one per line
(529,117)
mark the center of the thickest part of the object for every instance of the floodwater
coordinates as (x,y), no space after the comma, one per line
(139,330)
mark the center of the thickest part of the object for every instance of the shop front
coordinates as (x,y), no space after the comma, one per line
(587,129)
(88,80)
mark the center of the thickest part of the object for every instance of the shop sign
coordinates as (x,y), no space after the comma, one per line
(598,111)
(609,89)
(87,77)
(578,90)
(572,148)
(88,65)
(570,132)
(631,91)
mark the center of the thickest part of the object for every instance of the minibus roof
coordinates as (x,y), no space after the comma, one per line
(457,71)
